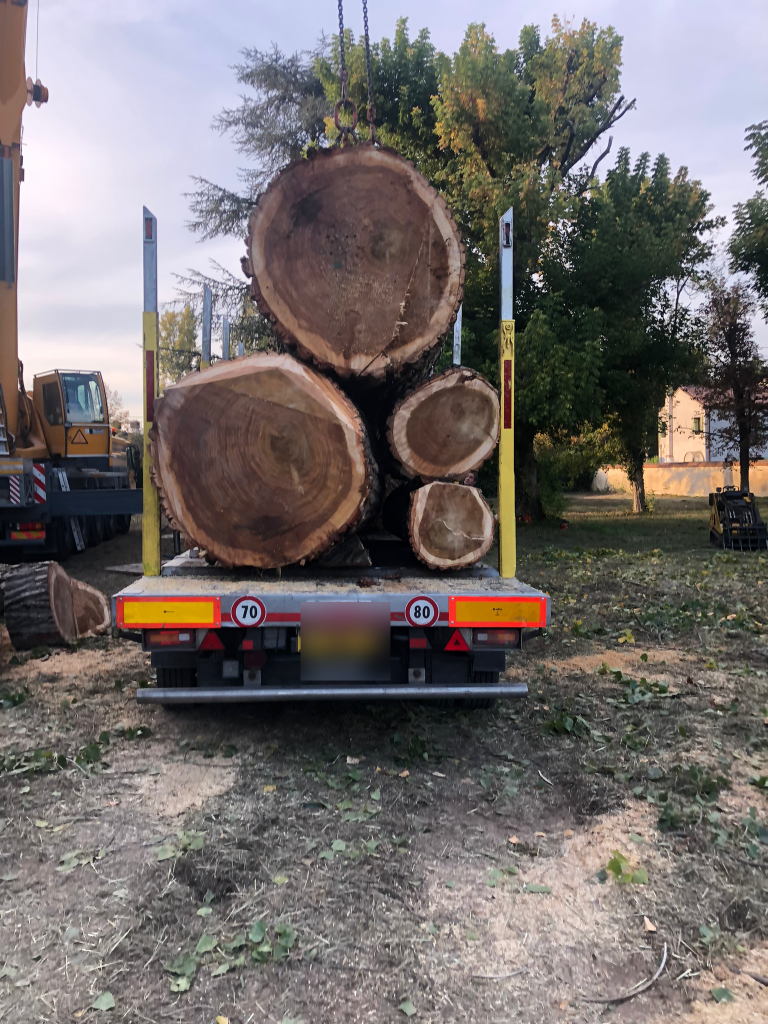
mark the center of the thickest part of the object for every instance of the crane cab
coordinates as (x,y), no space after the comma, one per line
(71,406)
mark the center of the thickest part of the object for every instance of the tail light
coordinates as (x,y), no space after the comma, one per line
(496,637)
(154,638)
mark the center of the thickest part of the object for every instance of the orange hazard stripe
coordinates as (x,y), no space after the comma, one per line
(27,534)
(497,611)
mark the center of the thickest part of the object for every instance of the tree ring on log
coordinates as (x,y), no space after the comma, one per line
(356,259)
(446,427)
(262,461)
(450,525)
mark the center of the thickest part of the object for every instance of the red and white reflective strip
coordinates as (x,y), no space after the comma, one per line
(14,486)
(38,475)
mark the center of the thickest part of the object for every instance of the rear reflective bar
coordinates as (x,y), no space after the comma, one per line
(241,695)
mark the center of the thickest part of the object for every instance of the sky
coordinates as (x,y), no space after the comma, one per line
(134,88)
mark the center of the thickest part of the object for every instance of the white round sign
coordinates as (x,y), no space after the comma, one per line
(248,611)
(421,611)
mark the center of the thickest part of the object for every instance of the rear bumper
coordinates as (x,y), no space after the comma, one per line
(242,695)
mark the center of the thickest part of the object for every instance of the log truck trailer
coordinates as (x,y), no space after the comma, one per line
(64,480)
(220,635)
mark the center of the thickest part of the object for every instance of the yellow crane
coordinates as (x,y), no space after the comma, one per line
(63,483)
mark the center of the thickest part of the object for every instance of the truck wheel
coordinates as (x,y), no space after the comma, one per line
(122,524)
(110,527)
(65,539)
(481,703)
(95,531)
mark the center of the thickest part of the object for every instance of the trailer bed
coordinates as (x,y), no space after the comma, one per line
(437,623)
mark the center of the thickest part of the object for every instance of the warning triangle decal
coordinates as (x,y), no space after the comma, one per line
(457,642)
(79,438)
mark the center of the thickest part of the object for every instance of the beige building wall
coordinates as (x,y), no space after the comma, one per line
(680,442)
(690,480)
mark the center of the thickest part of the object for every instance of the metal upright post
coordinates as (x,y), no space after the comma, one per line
(240,348)
(225,338)
(150,521)
(205,359)
(507,524)
(457,338)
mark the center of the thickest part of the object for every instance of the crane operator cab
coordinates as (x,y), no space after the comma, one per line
(71,406)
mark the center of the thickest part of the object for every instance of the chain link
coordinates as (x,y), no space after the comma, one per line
(342,55)
(371,110)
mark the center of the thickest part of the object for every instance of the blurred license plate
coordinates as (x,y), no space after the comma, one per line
(345,642)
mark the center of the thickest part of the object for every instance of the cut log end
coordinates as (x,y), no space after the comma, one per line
(450,525)
(446,427)
(357,260)
(261,461)
(46,607)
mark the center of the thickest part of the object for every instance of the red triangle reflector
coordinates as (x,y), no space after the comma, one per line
(457,642)
(211,642)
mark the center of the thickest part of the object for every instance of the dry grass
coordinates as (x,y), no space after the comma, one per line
(427,891)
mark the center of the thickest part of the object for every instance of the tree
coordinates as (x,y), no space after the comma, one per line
(735,374)
(178,345)
(118,413)
(617,273)
(749,242)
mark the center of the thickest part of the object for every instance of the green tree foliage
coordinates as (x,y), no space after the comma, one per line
(735,374)
(618,271)
(749,243)
(178,346)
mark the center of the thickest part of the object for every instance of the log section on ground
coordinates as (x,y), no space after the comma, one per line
(356,259)
(450,525)
(446,427)
(261,461)
(45,606)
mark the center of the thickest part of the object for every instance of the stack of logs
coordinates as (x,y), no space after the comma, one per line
(277,458)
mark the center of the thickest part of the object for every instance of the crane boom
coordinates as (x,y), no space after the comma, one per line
(14,92)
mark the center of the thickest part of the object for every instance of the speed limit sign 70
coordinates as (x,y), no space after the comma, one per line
(421,611)
(248,611)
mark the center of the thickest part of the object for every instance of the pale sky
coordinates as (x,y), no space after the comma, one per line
(135,86)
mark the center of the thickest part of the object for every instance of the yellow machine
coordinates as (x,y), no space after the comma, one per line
(61,483)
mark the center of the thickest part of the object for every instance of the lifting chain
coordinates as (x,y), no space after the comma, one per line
(345,130)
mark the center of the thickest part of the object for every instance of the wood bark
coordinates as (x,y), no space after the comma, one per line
(449,525)
(45,606)
(445,427)
(357,261)
(262,461)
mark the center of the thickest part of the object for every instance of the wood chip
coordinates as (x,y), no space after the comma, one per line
(405,774)
(648,925)
(568,833)
(438,775)
(540,835)
(514,840)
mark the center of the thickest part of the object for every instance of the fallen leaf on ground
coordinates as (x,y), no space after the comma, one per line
(648,925)
(105,1001)
(535,887)
(514,840)
(280,879)
(354,760)
(270,789)
(722,995)
(405,774)
(222,1020)
(407,1008)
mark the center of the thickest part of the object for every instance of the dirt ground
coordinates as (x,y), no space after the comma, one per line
(375,863)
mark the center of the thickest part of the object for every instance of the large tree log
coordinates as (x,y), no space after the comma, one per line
(357,260)
(262,461)
(45,606)
(446,427)
(450,526)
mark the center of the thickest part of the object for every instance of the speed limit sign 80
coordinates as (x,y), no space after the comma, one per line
(421,611)
(248,611)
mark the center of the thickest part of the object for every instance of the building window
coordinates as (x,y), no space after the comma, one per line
(697,424)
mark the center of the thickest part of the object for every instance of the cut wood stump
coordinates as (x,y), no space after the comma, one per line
(45,606)
(445,427)
(261,461)
(357,261)
(450,526)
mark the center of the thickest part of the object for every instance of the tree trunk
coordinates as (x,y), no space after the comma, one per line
(744,447)
(449,525)
(446,427)
(357,261)
(44,606)
(262,461)
(527,490)
(637,479)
